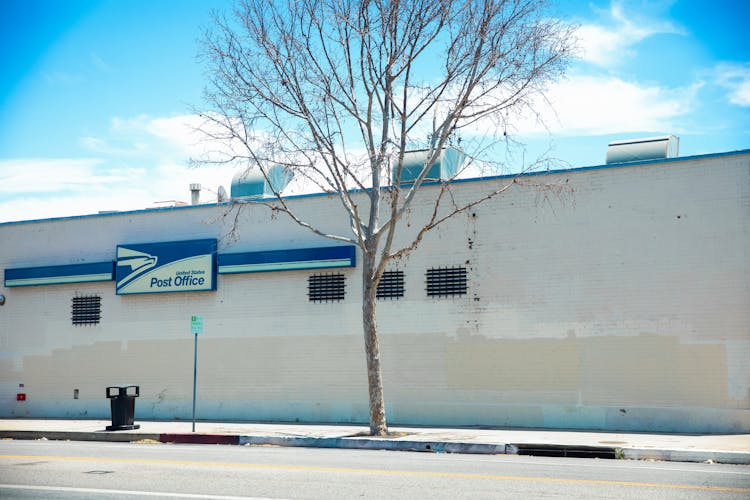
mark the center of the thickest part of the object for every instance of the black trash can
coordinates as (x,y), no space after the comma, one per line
(122,401)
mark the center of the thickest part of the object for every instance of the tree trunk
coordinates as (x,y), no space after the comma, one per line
(378,425)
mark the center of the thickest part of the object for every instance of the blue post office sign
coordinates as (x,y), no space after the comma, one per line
(177,266)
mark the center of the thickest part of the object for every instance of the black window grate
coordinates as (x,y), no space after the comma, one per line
(86,310)
(325,287)
(391,285)
(446,281)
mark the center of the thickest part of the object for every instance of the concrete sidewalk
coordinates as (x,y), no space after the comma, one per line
(732,449)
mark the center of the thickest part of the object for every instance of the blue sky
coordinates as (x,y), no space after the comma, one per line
(96,96)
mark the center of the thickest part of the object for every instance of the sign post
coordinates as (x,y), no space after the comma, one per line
(196,327)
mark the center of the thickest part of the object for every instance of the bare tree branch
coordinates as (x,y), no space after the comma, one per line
(337,92)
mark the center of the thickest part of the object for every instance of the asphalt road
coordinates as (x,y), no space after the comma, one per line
(81,470)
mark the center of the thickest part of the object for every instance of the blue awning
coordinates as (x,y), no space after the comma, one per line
(288,260)
(56,275)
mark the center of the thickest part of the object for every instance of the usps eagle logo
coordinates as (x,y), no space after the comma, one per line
(138,262)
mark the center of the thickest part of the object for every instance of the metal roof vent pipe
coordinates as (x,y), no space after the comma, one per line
(195,194)
(651,148)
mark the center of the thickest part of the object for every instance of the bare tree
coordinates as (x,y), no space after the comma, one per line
(337,91)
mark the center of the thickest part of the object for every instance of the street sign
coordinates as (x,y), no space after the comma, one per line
(196,327)
(196,324)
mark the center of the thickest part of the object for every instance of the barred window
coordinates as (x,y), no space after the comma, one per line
(86,310)
(446,281)
(391,285)
(325,287)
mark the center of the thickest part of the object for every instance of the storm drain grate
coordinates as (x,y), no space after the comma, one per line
(544,450)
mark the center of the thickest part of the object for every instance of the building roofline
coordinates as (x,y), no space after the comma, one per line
(677,159)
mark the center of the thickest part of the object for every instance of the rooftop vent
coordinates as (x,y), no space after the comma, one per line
(221,194)
(248,184)
(445,166)
(651,148)
(195,194)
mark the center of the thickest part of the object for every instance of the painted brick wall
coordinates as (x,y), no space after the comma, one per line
(610,298)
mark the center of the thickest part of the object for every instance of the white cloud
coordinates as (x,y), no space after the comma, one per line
(30,208)
(735,79)
(181,130)
(63,187)
(592,105)
(41,188)
(138,162)
(741,95)
(607,44)
(175,138)
(32,175)
(119,146)
(599,104)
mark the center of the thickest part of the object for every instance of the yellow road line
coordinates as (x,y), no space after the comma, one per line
(341,470)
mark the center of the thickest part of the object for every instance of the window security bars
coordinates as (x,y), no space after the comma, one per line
(86,310)
(325,287)
(446,281)
(391,285)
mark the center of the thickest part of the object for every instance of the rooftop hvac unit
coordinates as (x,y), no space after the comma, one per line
(252,184)
(445,166)
(652,148)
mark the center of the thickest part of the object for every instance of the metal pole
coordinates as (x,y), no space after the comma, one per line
(195,374)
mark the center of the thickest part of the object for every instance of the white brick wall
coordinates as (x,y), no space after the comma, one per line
(621,302)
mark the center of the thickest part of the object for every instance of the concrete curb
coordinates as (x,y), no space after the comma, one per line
(363,443)
(234,439)
(119,437)
(377,444)
(664,455)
